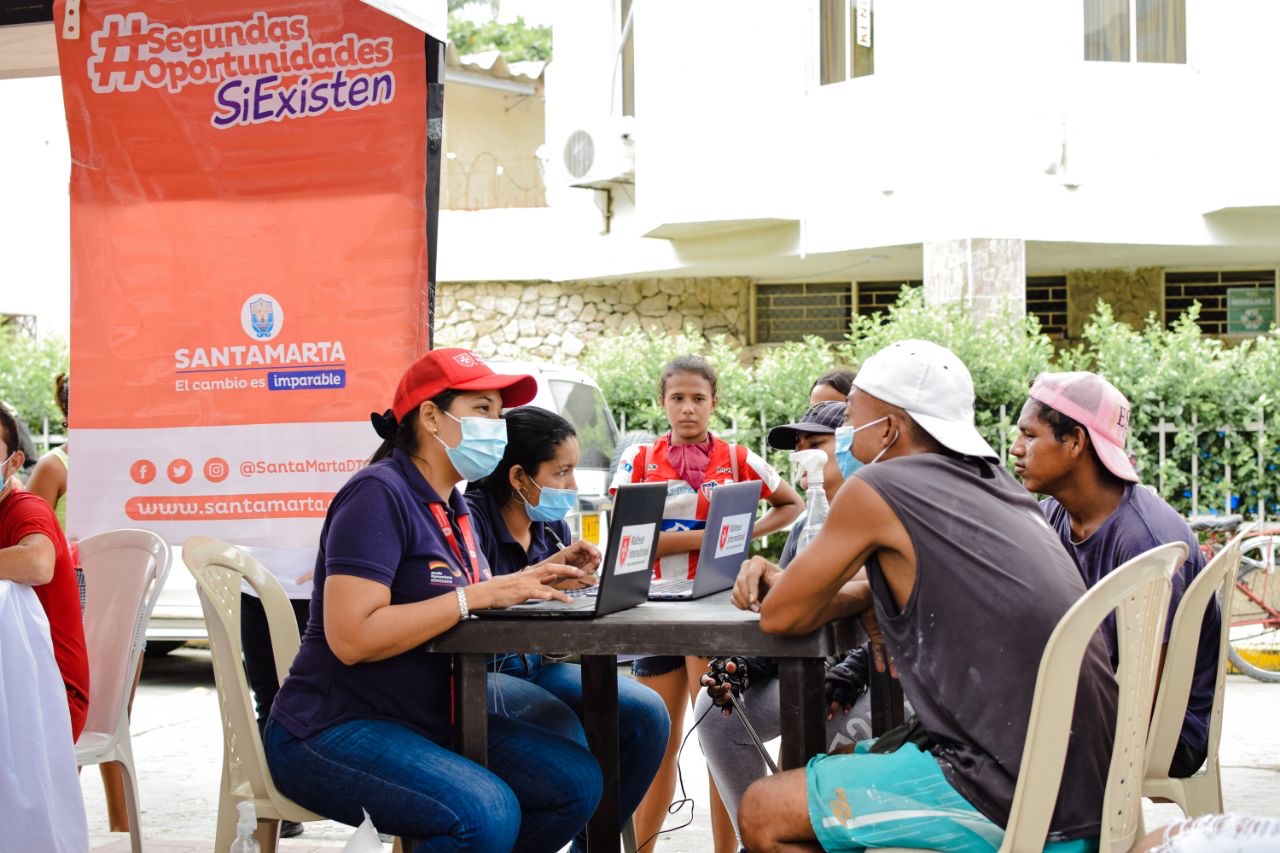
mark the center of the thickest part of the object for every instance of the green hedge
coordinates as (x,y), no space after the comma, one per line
(27,368)
(1171,374)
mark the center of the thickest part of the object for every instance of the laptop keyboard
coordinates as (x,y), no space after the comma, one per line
(675,586)
(579,599)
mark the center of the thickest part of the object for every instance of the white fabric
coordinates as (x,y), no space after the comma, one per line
(40,803)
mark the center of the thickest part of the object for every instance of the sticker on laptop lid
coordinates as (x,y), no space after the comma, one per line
(635,548)
(733,535)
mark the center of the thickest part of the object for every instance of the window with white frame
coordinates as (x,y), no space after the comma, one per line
(846,48)
(1135,30)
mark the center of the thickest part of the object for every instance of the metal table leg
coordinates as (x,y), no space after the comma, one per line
(804,728)
(600,699)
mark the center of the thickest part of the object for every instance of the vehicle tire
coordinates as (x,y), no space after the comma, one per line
(160,648)
(637,436)
(1258,573)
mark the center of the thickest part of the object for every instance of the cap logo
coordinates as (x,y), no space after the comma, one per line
(467,359)
(1123,421)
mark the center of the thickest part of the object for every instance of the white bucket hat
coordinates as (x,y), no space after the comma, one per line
(932,385)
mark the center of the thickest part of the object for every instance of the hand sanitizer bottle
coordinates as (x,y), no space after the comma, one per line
(245,826)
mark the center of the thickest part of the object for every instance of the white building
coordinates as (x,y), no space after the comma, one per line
(1043,153)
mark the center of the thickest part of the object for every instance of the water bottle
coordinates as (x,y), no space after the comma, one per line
(815,497)
(245,826)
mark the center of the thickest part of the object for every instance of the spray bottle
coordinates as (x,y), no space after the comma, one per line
(245,826)
(812,462)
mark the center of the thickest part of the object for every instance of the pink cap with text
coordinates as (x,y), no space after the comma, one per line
(1099,407)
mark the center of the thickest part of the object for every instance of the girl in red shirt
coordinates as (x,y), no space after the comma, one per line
(692,462)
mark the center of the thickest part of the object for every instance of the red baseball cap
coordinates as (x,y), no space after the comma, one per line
(458,370)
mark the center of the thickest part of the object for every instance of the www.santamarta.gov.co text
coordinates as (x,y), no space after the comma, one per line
(224,507)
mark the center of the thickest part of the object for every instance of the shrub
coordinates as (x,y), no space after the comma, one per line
(1173,375)
(27,368)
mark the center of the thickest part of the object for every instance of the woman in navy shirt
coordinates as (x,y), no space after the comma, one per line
(363,720)
(518,513)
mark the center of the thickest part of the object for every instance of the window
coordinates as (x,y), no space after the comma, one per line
(788,312)
(1047,300)
(1215,291)
(585,408)
(1157,27)
(845,50)
(876,296)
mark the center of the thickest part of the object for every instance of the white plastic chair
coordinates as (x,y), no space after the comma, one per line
(124,571)
(1139,593)
(218,569)
(1200,794)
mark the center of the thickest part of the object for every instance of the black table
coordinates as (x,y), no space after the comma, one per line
(708,627)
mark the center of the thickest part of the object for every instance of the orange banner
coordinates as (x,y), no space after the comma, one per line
(248,254)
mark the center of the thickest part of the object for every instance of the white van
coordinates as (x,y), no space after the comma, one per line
(576,397)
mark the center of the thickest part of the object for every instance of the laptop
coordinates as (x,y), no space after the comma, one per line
(627,566)
(730,520)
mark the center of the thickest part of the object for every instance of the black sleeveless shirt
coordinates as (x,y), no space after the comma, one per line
(992,581)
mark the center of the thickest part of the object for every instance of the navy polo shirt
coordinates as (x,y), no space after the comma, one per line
(501,552)
(380,526)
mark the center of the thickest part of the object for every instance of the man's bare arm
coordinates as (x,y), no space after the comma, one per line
(30,561)
(816,587)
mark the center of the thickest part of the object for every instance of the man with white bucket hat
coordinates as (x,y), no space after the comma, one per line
(960,581)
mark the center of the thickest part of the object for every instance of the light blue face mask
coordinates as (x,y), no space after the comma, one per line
(844,448)
(480,450)
(553,504)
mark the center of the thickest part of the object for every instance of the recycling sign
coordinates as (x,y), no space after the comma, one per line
(1250,310)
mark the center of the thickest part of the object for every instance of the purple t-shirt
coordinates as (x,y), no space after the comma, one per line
(380,526)
(1141,522)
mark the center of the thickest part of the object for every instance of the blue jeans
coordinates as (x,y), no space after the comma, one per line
(538,792)
(550,696)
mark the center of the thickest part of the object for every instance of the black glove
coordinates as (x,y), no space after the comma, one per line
(744,670)
(847,680)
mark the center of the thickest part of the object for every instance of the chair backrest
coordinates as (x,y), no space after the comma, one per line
(1219,576)
(124,571)
(1139,593)
(218,569)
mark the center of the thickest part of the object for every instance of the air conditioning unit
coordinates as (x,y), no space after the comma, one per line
(600,154)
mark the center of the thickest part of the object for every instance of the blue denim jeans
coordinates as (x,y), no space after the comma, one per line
(538,791)
(550,696)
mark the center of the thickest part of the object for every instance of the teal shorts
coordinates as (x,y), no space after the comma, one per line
(899,799)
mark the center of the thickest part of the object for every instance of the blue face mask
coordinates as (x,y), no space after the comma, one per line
(480,450)
(844,452)
(553,504)
(844,448)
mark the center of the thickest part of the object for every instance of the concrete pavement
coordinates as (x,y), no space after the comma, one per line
(177,742)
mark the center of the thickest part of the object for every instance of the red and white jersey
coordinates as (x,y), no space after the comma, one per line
(686,508)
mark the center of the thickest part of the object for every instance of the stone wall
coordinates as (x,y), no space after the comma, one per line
(557,321)
(986,275)
(1132,294)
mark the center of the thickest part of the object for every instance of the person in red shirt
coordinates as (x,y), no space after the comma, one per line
(34,551)
(692,462)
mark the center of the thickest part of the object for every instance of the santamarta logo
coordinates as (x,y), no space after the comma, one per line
(262,319)
(249,62)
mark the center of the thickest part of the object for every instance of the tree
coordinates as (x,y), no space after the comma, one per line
(27,368)
(516,41)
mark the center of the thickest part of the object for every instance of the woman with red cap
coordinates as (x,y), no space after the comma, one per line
(362,721)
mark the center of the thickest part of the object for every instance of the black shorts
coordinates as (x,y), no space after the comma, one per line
(652,667)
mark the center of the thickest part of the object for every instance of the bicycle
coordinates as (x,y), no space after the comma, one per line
(1255,610)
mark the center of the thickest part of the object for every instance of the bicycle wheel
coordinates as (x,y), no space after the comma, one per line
(1254,645)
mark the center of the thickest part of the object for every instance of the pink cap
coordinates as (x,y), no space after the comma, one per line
(1099,407)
